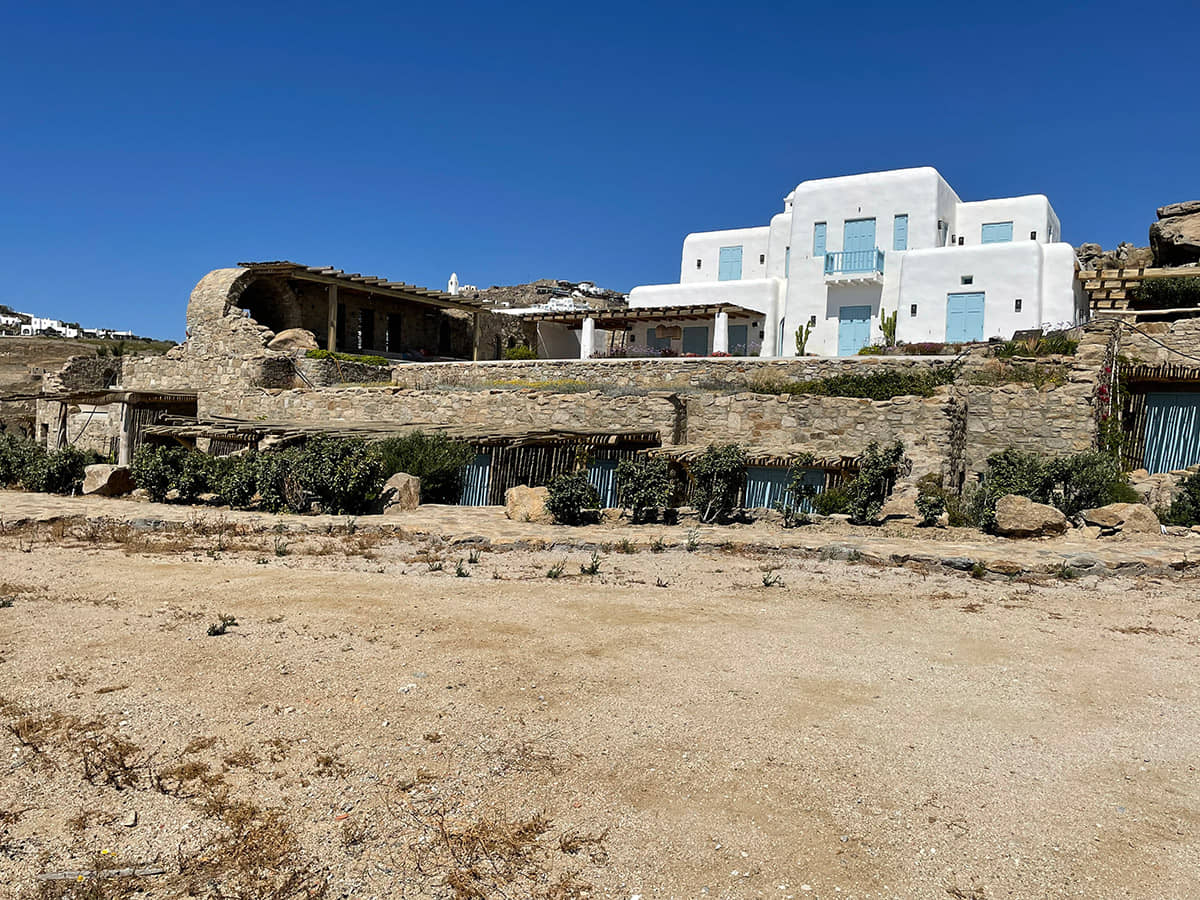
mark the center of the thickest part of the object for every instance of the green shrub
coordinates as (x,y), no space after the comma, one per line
(349,358)
(1056,343)
(521,352)
(883,385)
(832,501)
(278,481)
(193,474)
(56,472)
(1185,506)
(1167,293)
(1070,483)
(867,490)
(931,499)
(153,470)
(718,475)
(571,498)
(344,475)
(872,350)
(434,458)
(235,478)
(644,485)
(16,456)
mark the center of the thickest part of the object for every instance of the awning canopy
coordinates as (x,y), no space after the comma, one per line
(610,319)
(395,290)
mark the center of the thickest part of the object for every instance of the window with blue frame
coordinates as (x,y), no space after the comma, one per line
(730,264)
(996,233)
(900,232)
(819,230)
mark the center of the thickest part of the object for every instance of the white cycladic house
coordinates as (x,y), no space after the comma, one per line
(847,251)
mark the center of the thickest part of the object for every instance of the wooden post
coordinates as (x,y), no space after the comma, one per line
(332,323)
(476,329)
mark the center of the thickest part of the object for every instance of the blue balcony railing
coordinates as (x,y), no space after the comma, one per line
(854,262)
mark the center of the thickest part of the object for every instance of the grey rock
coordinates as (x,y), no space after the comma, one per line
(962,563)
(401,492)
(107,480)
(1020,517)
(1185,208)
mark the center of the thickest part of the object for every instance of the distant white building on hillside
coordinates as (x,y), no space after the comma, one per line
(847,251)
(37,325)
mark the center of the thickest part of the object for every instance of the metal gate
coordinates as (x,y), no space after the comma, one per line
(1172,430)
(602,475)
(476,481)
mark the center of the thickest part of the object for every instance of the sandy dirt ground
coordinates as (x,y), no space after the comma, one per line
(718,723)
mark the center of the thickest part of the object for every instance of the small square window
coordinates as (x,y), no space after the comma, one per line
(762,258)
(960,240)
(1033,235)
(697,264)
(812,320)
(1017,305)
(968,279)
(912,310)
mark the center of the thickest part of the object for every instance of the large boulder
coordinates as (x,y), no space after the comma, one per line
(1020,517)
(107,481)
(902,504)
(1124,518)
(400,492)
(1175,237)
(293,339)
(527,504)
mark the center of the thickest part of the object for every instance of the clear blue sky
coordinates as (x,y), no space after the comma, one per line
(143,144)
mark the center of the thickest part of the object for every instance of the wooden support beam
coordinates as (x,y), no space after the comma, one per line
(332,319)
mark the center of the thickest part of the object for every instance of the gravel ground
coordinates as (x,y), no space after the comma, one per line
(706,724)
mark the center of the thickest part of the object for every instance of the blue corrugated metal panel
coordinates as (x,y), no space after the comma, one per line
(602,475)
(819,240)
(964,318)
(996,233)
(477,481)
(854,329)
(767,486)
(900,233)
(730,267)
(1172,431)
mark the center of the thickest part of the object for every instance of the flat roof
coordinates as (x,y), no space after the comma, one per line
(396,290)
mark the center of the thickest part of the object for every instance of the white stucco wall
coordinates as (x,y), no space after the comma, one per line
(705,246)
(1028,214)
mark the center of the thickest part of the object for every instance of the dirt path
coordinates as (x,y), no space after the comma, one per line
(853,731)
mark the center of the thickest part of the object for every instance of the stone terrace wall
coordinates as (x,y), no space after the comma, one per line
(1146,346)
(833,426)
(85,373)
(1052,422)
(489,410)
(651,374)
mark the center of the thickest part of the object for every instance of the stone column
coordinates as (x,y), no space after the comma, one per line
(332,319)
(721,334)
(587,338)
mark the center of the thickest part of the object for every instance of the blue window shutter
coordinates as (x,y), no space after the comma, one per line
(996,233)
(730,268)
(819,241)
(900,233)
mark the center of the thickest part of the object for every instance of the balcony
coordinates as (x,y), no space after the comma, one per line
(855,266)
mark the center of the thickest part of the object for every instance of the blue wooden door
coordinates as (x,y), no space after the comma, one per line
(996,233)
(819,240)
(964,318)
(739,336)
(854,329)
(730,268)
(900,233)
(695,340)
(602,475)
(1172,431)
(858,245)
(476,481)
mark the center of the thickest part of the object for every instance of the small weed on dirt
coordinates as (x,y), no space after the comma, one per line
(222,626)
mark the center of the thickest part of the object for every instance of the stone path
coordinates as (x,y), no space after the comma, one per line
(961,549)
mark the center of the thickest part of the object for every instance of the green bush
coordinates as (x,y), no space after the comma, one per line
(344,475)
(718,475)
(16,456)
(883,385)
(349,358)
(278,481)
(931,499)
(572,498)
(1070,483)
(234,478)
(1056,343)
(1185,506)
(154,470)
(193,474)
(872,350)
(520,352)
(869,488)
(832,501)
(644,486)
(434,458)
(57,472)
(1167,293)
